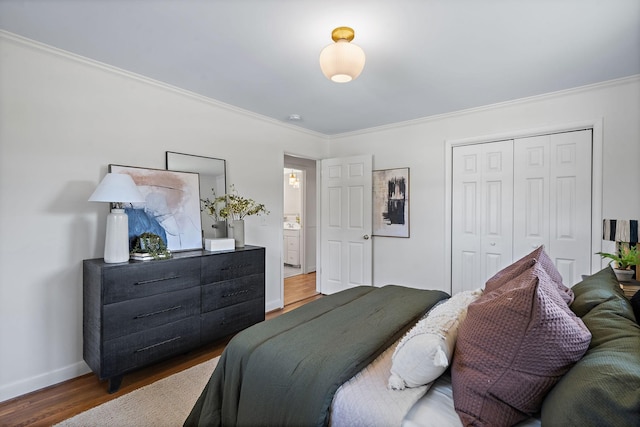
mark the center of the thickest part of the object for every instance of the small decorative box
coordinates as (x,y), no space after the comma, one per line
(219,244)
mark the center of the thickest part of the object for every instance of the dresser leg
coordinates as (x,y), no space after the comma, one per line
(114,383)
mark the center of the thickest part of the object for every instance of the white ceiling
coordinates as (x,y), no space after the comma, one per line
(424,57)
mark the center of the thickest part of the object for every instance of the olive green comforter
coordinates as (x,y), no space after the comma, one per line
(285,371)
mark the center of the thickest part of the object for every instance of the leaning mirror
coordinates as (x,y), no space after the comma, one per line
(213,183)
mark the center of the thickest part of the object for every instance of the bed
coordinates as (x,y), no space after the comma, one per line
(331,362)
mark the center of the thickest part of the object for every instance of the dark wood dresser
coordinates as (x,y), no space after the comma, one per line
(140,312)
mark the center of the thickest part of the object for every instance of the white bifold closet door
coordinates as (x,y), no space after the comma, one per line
(482,222)
(552,204)
(510,197)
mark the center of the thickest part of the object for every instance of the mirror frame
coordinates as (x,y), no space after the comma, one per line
(182,162)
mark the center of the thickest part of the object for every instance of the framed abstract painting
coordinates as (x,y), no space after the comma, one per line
(391,202)
(171,209)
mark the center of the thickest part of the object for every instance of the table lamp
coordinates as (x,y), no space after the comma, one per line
(117,188)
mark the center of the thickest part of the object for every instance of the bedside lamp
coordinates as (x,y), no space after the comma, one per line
(621,231)
(117,188)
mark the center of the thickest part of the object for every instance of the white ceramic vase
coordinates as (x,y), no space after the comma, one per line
(237,227)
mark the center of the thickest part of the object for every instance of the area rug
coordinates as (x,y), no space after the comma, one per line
(166,402)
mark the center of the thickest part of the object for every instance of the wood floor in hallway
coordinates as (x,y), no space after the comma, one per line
(300,287)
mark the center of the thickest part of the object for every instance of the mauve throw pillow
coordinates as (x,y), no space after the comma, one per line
(517,268)
(514,345)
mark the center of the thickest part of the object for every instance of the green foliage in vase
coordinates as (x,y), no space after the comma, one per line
(232,206)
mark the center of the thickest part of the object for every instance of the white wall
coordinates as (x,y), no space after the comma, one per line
(420,145)
(62,121)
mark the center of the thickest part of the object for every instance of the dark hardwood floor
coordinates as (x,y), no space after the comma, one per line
(61,401)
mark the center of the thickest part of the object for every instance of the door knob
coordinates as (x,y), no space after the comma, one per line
(366,237)
(492,243)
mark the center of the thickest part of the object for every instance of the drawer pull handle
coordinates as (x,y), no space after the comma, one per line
(235,267)
(149,347)
(233,294)
(162,279)
(166,310)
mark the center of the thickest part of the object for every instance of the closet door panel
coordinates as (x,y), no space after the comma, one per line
(466,237)
(570,195)
(481,214)
(531,195)
(496,207)
(534,216)
(552,200)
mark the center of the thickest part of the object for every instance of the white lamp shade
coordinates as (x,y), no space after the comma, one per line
(117,188)
(342,61)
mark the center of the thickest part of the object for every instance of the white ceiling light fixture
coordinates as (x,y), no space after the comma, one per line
(342,61)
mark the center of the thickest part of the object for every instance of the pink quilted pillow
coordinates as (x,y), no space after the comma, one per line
(517,268)
(516,343)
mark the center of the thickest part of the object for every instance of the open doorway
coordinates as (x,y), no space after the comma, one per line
(293,241)
(299,229)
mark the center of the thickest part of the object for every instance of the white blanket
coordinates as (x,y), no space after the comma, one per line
(435,408)
(366,401)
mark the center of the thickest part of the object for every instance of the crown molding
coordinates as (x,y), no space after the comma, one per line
(149,81)
(535,98)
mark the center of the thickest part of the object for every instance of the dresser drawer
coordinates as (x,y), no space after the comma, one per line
(136,280)
(232,265)
(139,349)
(220,323)
(127,317)
(230,292)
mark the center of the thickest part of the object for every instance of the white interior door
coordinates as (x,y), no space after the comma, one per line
(481,212)
(553,197)
(346,211)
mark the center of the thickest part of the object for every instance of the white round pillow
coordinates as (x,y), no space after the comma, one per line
(425,352)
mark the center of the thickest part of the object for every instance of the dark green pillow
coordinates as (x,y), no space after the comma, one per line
(635,303)
(603,388)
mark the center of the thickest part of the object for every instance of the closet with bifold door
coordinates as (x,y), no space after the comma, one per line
(511,196)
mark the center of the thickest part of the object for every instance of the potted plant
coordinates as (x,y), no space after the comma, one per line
(149,246)
(627,257)
(235,208)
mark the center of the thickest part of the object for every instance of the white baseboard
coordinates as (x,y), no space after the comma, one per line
(18,388)
(273,305)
